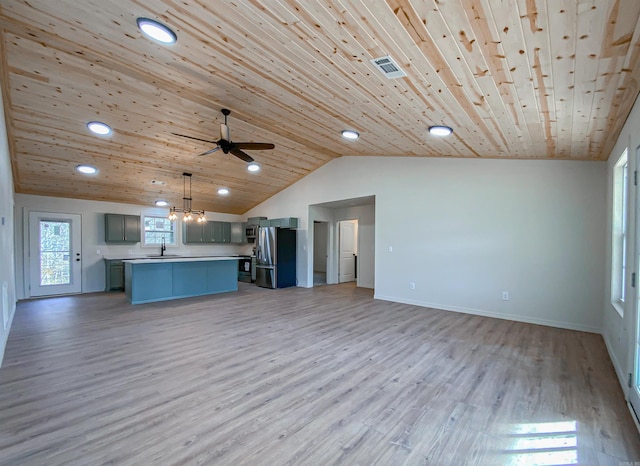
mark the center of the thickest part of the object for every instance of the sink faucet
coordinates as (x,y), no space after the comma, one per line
(163,247)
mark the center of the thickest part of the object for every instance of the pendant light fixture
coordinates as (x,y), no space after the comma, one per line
(187,212)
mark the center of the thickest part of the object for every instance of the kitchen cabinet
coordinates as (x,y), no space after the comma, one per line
(255,220)
(192,232)
(114,275)
(238,232)
(286,222)
(208,232)
(120,228)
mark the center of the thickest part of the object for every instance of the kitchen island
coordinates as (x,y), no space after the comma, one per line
(165,278)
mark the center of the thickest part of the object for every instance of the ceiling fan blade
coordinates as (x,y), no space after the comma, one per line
(241,155)
(254,145)
(197,139)
(210,151)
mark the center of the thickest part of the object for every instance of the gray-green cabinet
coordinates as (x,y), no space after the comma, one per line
(114,275)
(192,232)
(286,222)
(208,232)
(238,232)
(119,228)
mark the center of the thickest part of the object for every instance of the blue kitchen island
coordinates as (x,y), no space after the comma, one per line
(161,279)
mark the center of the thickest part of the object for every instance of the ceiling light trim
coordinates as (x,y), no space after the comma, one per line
(440,130)
(157,31)
(350,134)
(86,169)
(99,128)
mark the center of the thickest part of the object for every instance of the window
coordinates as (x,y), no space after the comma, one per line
(157,228)
(619,233)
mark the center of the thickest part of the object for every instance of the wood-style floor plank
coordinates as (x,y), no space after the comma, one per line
(302,376)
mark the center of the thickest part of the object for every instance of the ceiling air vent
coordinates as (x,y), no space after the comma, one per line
(388,67)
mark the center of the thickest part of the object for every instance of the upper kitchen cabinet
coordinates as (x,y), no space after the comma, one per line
(192,232)
(217,232)
(120,228)
(286,222)
(238,232)
(209,232)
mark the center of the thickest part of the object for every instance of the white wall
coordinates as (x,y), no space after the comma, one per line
(7,267)
(617,330)
(466,230)
(93,246)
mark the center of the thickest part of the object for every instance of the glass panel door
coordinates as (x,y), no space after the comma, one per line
(55,251)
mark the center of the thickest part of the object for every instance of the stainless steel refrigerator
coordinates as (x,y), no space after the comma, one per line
(276,257)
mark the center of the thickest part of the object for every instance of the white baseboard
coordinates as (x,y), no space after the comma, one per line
(620,371)
(3,344)
(496,315)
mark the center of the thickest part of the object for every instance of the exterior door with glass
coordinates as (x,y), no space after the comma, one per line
(634,392)
(55,259)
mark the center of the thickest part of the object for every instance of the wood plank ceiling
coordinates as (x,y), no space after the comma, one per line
(546,79)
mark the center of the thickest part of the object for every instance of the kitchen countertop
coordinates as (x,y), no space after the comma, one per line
(168,258)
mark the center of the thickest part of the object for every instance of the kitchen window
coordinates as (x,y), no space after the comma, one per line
(619,233)
(158,228)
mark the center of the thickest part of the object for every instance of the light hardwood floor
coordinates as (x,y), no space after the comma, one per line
(302,376)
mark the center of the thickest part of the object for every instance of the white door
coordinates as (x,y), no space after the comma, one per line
(348,249)
(55,260)
(634,393)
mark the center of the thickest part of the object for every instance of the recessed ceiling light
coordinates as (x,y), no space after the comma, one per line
(440,130)
(156,31)
(99,128)
(161,203)
(350,134)
(253,167)
(223,191)
(86,169)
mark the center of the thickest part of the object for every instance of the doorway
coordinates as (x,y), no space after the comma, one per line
(320,252)
(55,261)
(634,380)
(348,250)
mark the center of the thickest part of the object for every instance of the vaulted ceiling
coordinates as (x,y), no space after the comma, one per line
(545,79)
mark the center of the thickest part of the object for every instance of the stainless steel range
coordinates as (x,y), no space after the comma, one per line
(247,269)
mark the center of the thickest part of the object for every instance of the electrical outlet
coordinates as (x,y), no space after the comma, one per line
(412,286)
(505,296)
(97,251)
(390,248)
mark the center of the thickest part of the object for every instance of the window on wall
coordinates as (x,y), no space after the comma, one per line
(619,233)
(157,228)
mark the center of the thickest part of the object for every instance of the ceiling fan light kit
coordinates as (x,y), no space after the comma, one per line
(186,210)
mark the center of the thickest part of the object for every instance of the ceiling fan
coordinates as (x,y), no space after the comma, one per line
(224,143)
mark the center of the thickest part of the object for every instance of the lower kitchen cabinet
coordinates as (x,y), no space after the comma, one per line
(114,274)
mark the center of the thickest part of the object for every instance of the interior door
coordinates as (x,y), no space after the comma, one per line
(55,260)
(348,242)
(634,392)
